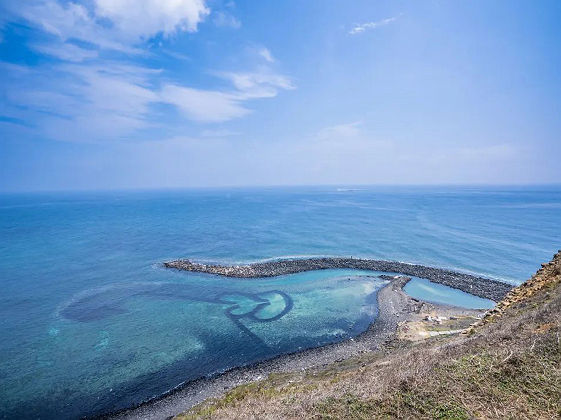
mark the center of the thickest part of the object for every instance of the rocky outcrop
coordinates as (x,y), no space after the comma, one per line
(548,276)
(475,285)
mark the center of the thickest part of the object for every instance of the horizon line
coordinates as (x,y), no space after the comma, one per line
(276,186)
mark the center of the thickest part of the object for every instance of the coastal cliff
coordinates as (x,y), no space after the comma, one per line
(508,365)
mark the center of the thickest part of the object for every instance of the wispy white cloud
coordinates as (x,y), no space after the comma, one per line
(73,102)
(340,131)
(67,21)
(267,55)
(363,27)
(226,20)
(218,106)
(203,105)
(66,51)
(262,84)
(177,55)
(106,100)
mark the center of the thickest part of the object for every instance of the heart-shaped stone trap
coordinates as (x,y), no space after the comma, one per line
(267,306)
(242,304)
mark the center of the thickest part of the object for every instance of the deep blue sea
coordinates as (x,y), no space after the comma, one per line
(90,322)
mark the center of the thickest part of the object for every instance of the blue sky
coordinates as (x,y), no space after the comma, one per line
(111,94)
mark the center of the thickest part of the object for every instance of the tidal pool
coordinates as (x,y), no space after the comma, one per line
(438,293)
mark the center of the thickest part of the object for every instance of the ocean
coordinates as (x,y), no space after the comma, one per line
(90,322)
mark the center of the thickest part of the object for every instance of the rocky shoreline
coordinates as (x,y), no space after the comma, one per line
(475,285)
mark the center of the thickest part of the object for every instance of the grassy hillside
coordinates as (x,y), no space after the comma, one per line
(506,366)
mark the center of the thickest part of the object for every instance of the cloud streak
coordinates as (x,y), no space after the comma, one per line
(204,105)
(226,20)
(340,131)
(368,26)
(266,54)
(107,100)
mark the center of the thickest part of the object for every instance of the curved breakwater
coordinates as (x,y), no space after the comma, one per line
(475,285)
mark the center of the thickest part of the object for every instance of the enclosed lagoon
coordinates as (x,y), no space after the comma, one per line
(429,291)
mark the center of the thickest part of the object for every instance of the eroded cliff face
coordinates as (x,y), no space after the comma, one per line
(547,277)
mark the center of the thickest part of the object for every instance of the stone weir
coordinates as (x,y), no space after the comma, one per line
(475,285)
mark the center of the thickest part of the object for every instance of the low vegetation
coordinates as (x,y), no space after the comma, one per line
(507,366)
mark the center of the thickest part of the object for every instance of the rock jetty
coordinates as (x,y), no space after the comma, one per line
(475,285)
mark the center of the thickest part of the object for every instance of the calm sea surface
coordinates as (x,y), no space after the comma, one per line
(90,322)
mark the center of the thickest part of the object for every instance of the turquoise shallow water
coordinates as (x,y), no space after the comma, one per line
(87,313)
(438,293)
(112,346)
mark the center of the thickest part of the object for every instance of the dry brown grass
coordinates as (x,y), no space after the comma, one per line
(507,368)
